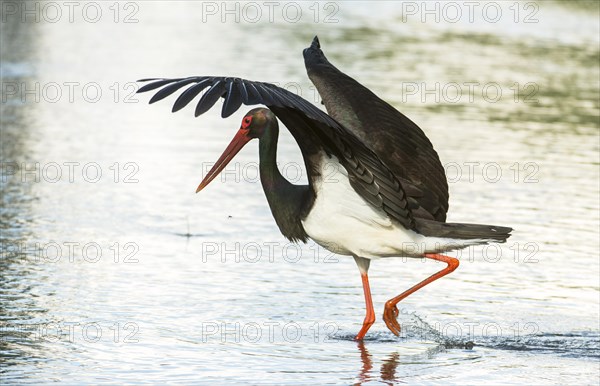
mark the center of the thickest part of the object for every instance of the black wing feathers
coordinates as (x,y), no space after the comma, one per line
(368,176)
(233,99)
(170,89)
(188,95)
(211,97)
(155,84)
(312,128)
(398,141)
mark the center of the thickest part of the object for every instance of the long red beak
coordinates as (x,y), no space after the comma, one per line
(236,144)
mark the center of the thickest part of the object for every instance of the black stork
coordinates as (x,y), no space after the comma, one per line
(388,195)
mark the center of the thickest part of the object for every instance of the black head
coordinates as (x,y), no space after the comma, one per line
(256,122)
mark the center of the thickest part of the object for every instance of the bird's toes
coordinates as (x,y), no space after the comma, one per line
(390,315)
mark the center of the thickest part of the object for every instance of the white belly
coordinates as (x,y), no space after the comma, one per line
(344,223)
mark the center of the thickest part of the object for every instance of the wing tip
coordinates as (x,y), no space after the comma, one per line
(315,42)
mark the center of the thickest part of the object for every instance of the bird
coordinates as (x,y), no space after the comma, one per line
(376,186)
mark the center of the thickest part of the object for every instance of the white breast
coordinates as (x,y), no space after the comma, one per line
(344,223)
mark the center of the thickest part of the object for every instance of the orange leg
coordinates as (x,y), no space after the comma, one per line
(390,311)
(370,317)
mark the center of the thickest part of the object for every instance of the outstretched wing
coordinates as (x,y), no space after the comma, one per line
(312,128)
(398,141)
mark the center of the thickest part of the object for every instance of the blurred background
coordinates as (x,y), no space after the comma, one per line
(113,271)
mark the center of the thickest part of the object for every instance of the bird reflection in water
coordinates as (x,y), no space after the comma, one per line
(388,367)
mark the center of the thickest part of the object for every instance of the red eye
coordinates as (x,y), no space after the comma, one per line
(246,122)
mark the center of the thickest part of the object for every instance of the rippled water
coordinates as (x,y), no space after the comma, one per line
(127,276)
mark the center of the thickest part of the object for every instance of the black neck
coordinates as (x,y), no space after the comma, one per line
(286,200)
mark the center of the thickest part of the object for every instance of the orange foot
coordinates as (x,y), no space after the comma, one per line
(390,315)
(366,325)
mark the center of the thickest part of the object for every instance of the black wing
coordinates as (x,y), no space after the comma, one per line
(312,128)
(398,141)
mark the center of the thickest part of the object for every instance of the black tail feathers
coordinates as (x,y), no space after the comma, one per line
(463,231)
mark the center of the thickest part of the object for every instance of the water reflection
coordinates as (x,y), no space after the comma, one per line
(387,372)
(388,368)
(366,362)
